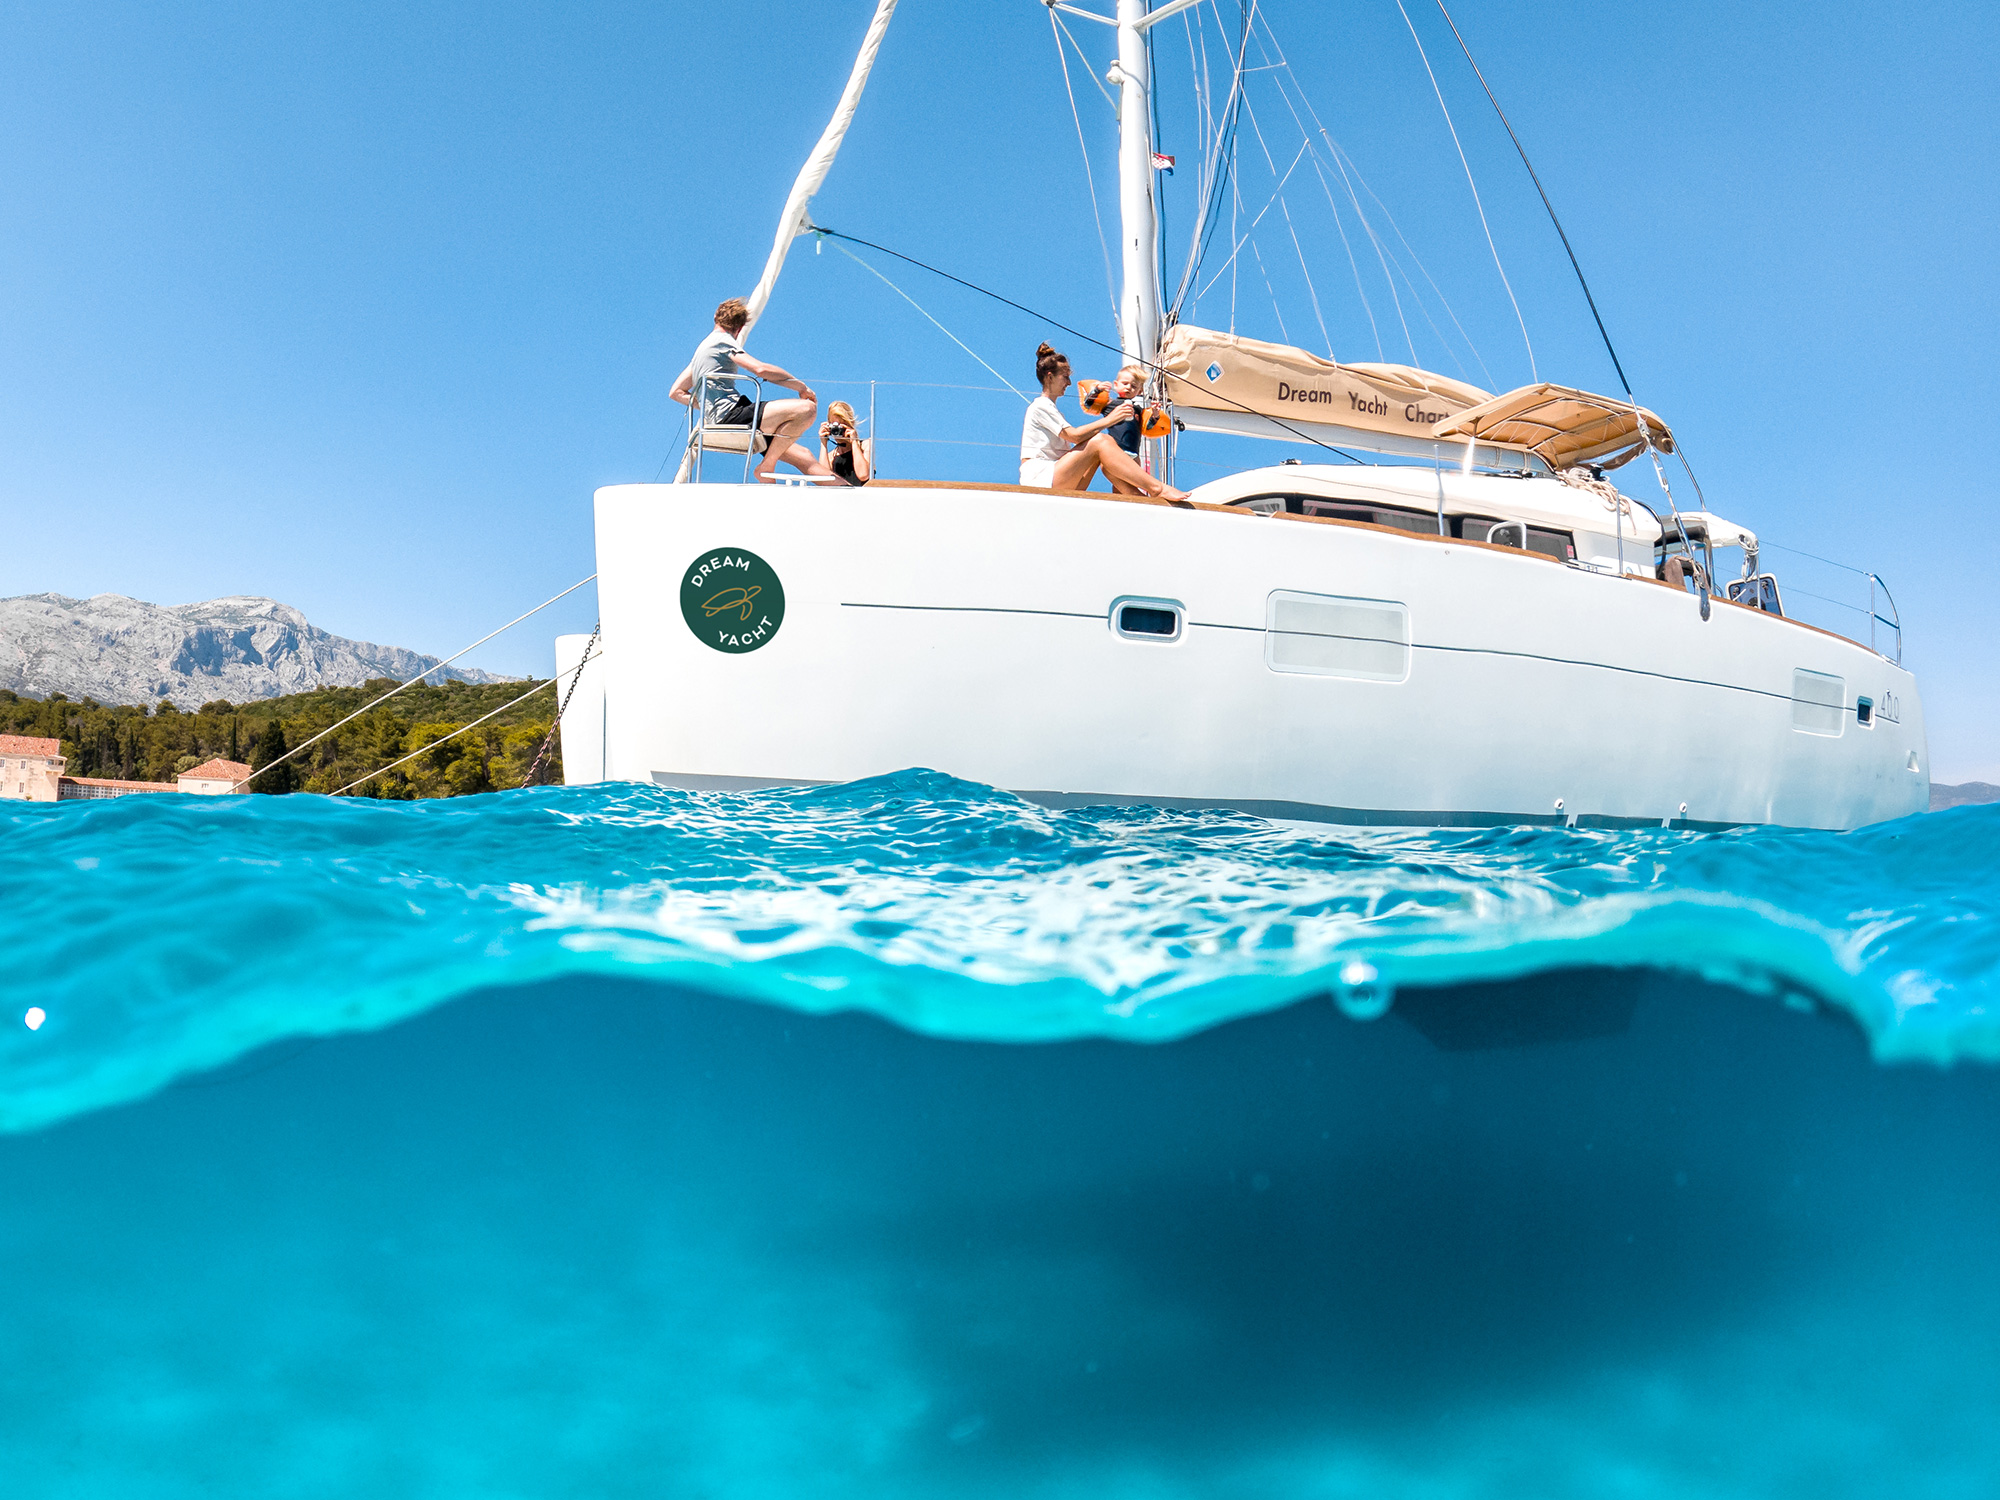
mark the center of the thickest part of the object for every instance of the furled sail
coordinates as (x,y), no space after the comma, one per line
(798,207)
(1222,382)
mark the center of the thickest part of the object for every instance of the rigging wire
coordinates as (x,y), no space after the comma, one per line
(1210,216)
(1284,65)
(1534,177)
(1157,369)
(1473,185)
(1240,243)
(1269,47)
(1276,311)
(1311,291)
(1443,301)
(1342,165)
(1374,239)
(1153,193)
(1204,115)
(1058,30)
(1352,264)
(933,321)
(1235,215)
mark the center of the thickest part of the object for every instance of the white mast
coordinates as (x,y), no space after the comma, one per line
(1138,214)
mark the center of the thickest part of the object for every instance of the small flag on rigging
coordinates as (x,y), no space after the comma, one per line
(1163,163)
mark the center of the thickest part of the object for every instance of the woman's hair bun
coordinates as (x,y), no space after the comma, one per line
(1045,348)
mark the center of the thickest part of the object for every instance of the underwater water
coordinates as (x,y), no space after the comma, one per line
(904,1139)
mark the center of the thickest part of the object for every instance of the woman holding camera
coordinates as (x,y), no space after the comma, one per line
(840,447)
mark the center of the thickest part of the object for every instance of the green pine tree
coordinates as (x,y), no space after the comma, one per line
(270,746)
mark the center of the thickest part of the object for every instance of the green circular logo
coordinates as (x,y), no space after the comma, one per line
(732,600)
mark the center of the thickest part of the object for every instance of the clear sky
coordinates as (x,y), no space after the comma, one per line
(354,306)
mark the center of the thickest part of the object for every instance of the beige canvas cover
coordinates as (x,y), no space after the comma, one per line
(1566,427)
(1226,372)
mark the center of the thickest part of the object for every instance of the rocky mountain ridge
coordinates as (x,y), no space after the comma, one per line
(243,648)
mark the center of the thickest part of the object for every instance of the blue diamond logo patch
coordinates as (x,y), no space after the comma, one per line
(1214,373)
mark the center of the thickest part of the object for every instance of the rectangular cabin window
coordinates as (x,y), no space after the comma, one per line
(1401,518)
(1557,544)
(1819,703)
(1864,712)
(1324,635)
(1424,521)
(1560,545)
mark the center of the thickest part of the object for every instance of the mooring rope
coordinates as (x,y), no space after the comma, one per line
(467,728)
(303,744)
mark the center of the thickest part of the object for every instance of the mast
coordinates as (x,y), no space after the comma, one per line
(1138,213)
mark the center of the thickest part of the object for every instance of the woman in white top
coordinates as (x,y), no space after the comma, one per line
(1057,456)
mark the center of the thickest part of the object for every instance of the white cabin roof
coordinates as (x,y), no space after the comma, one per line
(1537,500)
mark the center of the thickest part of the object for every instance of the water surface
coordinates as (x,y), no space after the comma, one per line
(905,1139)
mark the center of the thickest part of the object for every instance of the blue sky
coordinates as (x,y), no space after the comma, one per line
(355,307)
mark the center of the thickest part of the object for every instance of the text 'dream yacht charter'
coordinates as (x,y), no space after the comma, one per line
(1469,631)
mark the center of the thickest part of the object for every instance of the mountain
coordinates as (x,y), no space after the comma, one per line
(1965,794)
(120,650)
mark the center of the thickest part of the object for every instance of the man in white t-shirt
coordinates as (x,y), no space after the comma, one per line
(720,356)
(1057,456)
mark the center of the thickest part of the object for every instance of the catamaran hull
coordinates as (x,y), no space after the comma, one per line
(972,631)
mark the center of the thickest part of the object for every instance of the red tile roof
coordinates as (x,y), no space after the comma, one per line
(28,744)
(218,770)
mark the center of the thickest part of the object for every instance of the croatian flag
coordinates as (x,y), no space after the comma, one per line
(1163,163)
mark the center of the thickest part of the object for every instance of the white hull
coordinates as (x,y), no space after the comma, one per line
(967,630)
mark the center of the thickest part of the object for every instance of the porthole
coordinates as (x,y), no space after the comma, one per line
(1147,619)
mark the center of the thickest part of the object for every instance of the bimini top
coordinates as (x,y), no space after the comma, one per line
(1562,426)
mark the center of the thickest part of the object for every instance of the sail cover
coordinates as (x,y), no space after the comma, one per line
(1563,426)
(1226,373)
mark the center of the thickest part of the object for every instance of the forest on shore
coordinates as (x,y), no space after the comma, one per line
(157,743)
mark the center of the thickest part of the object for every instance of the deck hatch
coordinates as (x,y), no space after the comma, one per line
(1325,635)
(1818,703)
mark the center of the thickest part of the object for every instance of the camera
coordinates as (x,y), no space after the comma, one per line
(838,432)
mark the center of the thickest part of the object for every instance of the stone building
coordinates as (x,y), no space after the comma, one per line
(30,768)
(215,778)
(89,788)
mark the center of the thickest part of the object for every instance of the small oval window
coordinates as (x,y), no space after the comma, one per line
(1147,619)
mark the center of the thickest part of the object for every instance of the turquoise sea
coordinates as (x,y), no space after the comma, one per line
(906,1139)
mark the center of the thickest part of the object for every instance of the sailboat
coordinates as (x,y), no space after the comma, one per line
(1472,628)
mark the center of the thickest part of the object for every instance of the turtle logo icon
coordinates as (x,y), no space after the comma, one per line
(732,600)
(737,599)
